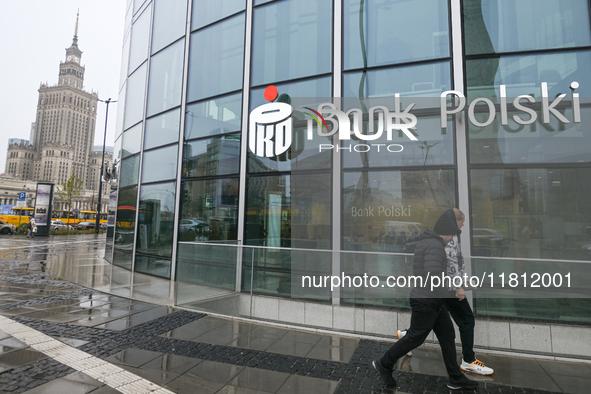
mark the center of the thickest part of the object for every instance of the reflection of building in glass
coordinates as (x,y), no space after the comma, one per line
(328,205)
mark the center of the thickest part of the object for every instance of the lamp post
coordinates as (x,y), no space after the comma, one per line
(100,190)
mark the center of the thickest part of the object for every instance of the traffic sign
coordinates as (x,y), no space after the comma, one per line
(22,196)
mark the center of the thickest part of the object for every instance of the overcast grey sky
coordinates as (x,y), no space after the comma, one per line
(33,37)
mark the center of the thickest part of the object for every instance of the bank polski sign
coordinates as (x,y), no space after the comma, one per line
(271,129)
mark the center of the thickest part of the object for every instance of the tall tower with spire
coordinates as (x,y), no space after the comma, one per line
(64,131)
(71,71)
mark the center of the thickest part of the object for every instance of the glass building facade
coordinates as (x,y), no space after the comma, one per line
(196,206)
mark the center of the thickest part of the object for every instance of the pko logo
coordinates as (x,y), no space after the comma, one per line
(270,127)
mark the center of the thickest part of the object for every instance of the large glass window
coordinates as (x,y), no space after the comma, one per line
(310,88)
(216,156)
(208,11)
(140,37)
(537,141)
(435,146)
(531,213)
(286,211)
(216,59)
(170,18)
(427,80)
(523,74)
(124,61)
(132,139)
(381,32)
(386,211)
(130,171)
(117,149)
(217,116)
(155,228)
(521,25)
(162,129)
(160,164)
(289,210)
(120,111)
(134,102)
(125,227)
(209,210)
(303,154)
(291,39)
(166,78)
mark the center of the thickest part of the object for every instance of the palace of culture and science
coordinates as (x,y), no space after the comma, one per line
(62,140)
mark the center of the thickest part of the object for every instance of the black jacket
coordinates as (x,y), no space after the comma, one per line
(429,260)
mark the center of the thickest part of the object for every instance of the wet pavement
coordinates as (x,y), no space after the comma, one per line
(72,323)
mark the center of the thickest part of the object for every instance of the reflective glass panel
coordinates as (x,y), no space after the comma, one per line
(303,153)
(427,80)
(366,43)
(166,78)
(217,116)
(134,102)
(216,156)
(289,211)
(523,74)
(209,210)
(132,139)
(529,137)
(162,129)
(157,266)
(170,19)
(137,4)
(160,164)
(117,150)
(122,258)
(125,224)
(124,61)
(291,39)
(140,37)
(386,211)
(130,171)
(286,211)
(435,146)
(120,111)
(208,265)
(531,213)
(208,11)
(319,87)
(155,226)
(521,25)
(216,59)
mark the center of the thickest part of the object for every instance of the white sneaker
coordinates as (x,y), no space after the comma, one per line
(402,333)
(477,367)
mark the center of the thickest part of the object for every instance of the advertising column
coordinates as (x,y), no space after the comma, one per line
(43,204)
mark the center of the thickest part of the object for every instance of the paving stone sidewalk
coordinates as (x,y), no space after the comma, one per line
(153,342)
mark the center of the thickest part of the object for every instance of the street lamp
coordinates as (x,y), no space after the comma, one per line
(100,190)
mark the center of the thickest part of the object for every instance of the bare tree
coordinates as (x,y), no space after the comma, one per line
(70,189)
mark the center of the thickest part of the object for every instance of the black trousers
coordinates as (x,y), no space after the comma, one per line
(423,319)
(462,314)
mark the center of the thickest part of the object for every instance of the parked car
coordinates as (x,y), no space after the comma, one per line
(86,225)
(104,226)
(195,229)
(489,242)
(6,228)
(59,225)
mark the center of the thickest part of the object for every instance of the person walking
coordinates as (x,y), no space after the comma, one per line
(32,227)
(457,304)
(428,311)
